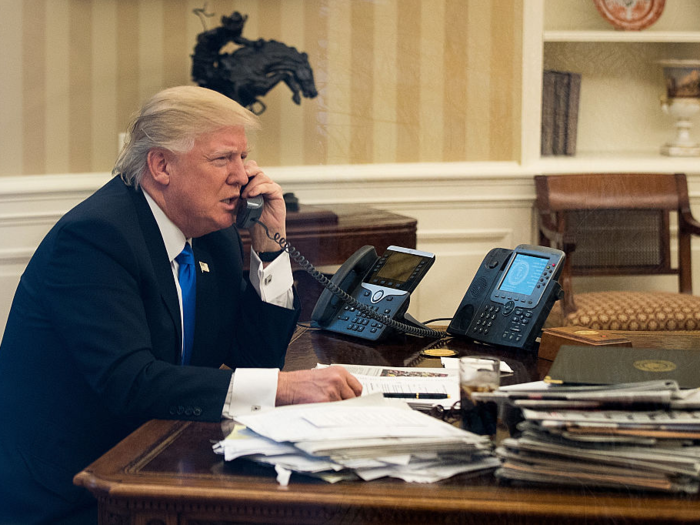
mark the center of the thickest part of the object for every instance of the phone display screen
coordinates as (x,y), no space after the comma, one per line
(398,267)
(523,274)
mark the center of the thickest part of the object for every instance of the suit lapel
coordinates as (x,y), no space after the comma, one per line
(161,264)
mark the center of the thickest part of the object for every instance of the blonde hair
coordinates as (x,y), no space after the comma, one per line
(172,119)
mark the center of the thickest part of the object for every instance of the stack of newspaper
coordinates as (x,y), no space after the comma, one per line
(631,436)
(367,437)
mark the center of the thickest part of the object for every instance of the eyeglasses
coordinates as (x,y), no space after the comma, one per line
(450,415)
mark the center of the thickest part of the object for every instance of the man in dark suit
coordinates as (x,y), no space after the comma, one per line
(95,346)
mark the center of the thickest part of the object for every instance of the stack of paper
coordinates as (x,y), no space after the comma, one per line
(367,437)
(639,435)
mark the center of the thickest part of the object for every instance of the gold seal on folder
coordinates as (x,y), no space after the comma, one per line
(654,365)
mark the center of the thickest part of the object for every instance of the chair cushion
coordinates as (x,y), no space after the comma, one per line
(653,311)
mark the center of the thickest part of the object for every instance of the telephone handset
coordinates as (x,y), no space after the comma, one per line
(380,288)
(249,211)
(510,297)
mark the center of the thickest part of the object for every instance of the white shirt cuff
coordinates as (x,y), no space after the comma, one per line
(274,284)
(250,390)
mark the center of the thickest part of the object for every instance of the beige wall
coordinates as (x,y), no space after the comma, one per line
(398,80)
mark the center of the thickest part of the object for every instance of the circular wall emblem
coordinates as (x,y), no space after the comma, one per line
(630,14)
(654,365)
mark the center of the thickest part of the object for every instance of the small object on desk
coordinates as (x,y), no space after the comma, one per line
(481,374)
(291,201)
(438,352)
(415,395)
(554,338)
(439,348)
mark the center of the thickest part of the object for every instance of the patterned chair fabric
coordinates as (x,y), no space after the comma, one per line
(635,311)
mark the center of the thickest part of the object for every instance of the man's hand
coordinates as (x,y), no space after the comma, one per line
(315,386)
(274,212)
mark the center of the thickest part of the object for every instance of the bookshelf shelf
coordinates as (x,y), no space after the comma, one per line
(617,162)
(622,36)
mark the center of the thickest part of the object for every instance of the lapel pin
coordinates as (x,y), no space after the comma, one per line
(204,267)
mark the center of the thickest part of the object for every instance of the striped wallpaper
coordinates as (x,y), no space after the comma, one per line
(398,80)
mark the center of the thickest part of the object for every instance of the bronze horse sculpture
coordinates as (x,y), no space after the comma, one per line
(251,70)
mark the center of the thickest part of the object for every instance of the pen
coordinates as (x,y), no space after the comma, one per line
(416,395)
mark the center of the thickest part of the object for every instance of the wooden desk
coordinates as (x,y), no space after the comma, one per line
(328,235)
(166,473)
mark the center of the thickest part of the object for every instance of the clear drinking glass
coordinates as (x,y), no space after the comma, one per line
(479,374)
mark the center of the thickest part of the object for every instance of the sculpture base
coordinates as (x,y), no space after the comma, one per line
(673,150)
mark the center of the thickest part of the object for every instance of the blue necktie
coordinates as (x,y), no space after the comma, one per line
(187,278)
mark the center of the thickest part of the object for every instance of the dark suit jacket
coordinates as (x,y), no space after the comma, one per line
(92,345)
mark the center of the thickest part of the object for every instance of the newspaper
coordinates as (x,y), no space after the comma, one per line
(408,381)
(641,436)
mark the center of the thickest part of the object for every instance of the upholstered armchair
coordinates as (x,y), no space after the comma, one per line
(623,225)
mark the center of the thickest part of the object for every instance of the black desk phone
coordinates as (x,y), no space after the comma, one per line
(380,284)
(510,297)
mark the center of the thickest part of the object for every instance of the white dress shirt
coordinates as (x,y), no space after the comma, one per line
(251,388)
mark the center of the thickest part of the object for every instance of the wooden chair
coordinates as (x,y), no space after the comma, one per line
(620,224)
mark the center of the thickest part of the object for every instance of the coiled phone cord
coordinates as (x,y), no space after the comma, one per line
(309,268)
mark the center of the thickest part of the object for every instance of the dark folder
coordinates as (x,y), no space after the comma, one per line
(609,365)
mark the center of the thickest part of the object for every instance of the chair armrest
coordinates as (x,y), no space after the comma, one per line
(688,222)
(549,229)
(564,241)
